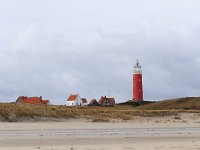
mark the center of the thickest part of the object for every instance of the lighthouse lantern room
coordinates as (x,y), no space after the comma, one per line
(137,83)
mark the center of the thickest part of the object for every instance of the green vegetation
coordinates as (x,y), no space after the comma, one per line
(20,112)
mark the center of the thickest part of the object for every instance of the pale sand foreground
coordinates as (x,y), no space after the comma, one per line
(155,133)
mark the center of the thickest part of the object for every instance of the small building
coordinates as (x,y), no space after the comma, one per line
(74,100)
(32,100)
(93,102)
(45,102)
(84,101)
(105,101)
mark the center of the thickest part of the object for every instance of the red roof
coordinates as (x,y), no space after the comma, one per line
(84,100)
(72,97)
(32,100)
(45,102)
(106,101)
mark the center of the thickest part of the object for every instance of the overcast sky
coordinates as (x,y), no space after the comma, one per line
(56,47)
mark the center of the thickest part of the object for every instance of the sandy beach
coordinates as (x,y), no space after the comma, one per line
(146,133)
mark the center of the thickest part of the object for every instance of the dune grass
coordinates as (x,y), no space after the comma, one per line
(185,103)
(14,112)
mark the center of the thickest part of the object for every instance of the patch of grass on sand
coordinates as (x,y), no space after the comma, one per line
(20,112)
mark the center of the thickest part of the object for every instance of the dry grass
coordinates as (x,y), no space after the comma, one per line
(186,103)
(20,112)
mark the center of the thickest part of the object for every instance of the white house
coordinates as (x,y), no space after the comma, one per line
(84,101)
(74,100)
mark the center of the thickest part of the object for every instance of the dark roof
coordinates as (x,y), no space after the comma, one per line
(93,102)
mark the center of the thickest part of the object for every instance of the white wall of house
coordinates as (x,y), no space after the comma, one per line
(76,102)
(84,104)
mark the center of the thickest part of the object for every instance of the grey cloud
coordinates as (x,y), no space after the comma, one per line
(90,49)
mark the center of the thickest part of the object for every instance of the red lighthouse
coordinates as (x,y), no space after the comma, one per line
(137,83)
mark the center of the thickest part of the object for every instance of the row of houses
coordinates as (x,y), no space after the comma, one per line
(76,100)
(72,100)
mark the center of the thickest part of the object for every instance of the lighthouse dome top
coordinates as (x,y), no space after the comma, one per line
(137,68)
